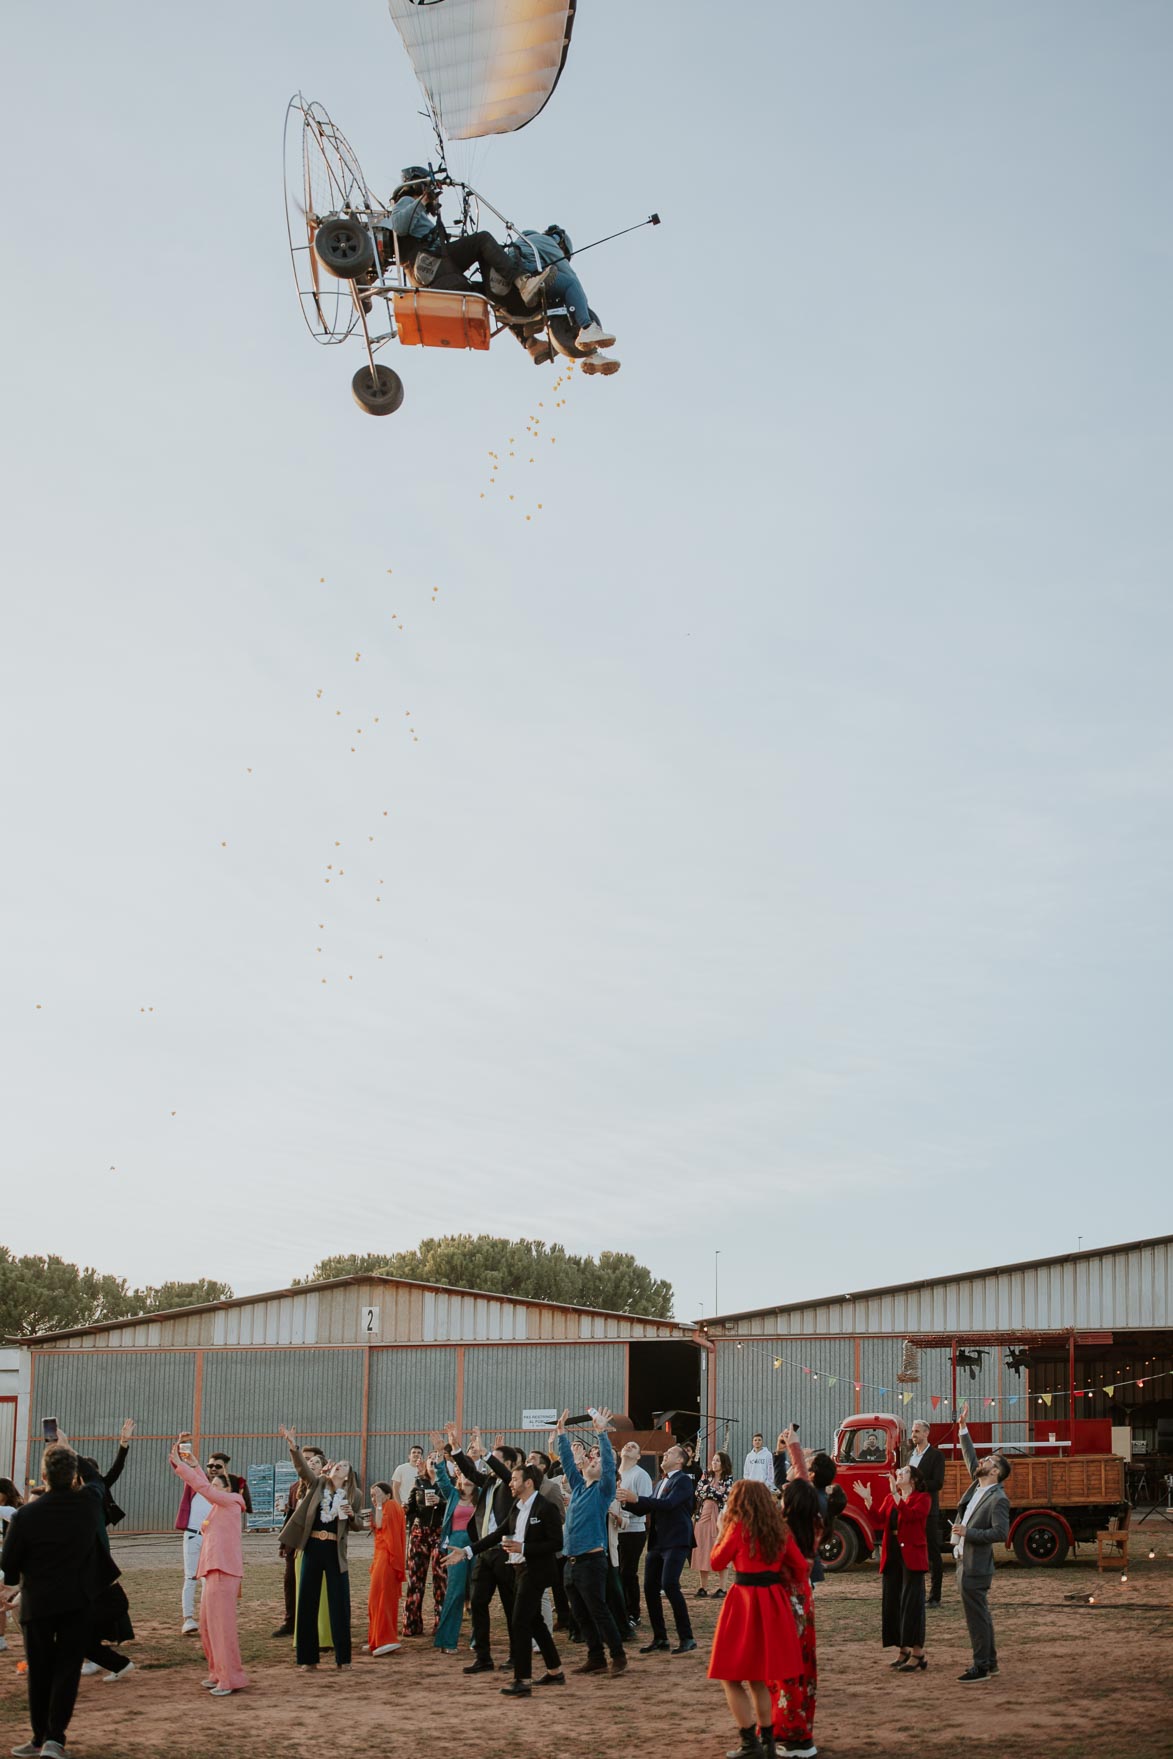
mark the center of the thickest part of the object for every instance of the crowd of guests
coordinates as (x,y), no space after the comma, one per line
(557,1537)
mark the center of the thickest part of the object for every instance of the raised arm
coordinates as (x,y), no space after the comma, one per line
(197,1479)
(969,1452)
(295,1454)
(607,1474)
(574,1477)
(797,1456)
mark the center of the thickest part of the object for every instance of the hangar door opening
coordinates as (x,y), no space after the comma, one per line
(665,1377)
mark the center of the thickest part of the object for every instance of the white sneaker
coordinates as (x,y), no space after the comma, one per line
(600,363)
(529,286)
(221,1692)
(594,336)
(53,1750)
(190,1628)
(30,1750)
(387,1649)
(120,1675)
(207,1684)
(88,1667)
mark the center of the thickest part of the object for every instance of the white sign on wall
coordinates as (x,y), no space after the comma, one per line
(538,1419)
(370,1322)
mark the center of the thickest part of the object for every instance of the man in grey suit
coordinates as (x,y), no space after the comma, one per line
(983,1521)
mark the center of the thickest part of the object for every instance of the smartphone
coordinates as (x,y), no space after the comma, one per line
(794,1426)
(49,1426)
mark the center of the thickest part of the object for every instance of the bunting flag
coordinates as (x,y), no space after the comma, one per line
(935,1400)
(1109,1390)
(777,1361)
(905,1397)
(834,1380)
(883,1391)
(987,1402)
(1045,1398)
(1013,1399)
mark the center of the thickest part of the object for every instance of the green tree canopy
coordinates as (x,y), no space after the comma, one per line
(49,1294)
(530,1269)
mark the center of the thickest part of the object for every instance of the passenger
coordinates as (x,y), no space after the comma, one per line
(437,261)
(552,250)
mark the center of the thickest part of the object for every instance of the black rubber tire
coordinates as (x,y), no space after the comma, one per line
(381,398)
(841,1549)
(1041,1540)
(343,246)
(562,334)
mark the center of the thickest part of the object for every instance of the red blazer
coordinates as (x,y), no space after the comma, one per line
(911,1515)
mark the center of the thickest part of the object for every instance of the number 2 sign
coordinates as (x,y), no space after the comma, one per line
(370,1322)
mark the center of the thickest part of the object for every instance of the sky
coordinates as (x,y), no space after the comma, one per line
(764,847)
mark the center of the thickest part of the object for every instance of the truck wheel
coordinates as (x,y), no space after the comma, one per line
(343,246)
(840,1549)
(380,396)
(1041,1540)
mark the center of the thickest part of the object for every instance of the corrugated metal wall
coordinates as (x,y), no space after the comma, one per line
(90,1397)
(756,1395)
(412,1392)
(248,1393)
(499,1384)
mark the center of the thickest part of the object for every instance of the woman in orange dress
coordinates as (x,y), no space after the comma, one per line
(388,1570)
(756,1641)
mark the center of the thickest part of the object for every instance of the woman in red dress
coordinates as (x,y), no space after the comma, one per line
(755,1641)
(904,1558)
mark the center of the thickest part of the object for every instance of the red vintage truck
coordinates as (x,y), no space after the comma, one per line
(1057,1498)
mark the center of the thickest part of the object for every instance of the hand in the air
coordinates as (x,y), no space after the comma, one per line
(601,1420)
(125,1433)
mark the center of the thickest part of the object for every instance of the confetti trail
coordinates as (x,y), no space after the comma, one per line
(533,428)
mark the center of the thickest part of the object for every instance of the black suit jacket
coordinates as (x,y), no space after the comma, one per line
(53,1548)
(542,1543)
(932,1470)
(493,1491)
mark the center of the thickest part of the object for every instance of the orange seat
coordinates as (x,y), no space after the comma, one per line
(441,320)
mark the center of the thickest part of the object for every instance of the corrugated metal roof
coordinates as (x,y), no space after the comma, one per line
(1110,1286)
(427,1311)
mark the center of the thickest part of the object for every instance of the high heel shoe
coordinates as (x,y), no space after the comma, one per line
(914,1664)
(905,1655)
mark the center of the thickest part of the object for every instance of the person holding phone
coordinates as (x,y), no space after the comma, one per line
(54,1564)
(425,1522)
(221,1569)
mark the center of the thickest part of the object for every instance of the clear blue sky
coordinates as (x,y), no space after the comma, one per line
(783,845)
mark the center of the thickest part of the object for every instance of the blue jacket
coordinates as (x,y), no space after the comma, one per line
(669,1515)
(411,219)
(586,1517)
(536,244)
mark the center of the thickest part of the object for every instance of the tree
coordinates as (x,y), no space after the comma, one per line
(49,1294)
(527,1268)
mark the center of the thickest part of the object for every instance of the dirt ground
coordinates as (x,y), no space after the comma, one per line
(1078,1681)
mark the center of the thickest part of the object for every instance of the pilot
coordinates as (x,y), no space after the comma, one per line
(437,261)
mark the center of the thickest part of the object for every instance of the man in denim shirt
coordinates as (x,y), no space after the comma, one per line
(592,1490)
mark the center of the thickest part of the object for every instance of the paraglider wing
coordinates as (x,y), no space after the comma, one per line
(486,66)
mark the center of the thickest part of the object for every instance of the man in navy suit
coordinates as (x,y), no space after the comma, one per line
(670,1542)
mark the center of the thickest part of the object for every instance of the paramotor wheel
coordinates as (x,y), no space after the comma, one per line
(323,179)
(343,246)
(378,395)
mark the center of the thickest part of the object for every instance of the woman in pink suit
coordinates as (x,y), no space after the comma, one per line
(221,1568)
